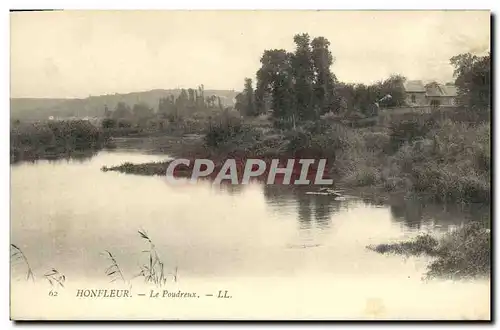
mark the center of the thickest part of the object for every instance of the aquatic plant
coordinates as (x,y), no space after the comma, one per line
(153,271)
(462,253)
(18,254)
(422,244)
(54,139)
(55,278)
(113,271)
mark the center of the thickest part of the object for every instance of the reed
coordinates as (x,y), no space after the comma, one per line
(153,270)
(18,255)
(113,271)
(464,252)
(55,278)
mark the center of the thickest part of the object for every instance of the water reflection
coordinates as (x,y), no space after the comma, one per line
(311,210)
(80,156)
(316,211)
(416,214)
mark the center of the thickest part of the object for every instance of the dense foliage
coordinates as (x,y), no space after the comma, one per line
(53,139)
(473,80)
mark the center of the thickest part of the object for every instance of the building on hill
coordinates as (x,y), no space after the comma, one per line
(432,94)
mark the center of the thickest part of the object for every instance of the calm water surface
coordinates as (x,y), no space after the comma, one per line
(64,214)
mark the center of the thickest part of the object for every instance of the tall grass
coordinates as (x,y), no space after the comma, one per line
(152,271)
(51,139)
(53,276)
(450,163)
(18,255)
(430,155)
(113,271)
(462,253)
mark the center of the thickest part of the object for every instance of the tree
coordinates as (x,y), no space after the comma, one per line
(393,86)
(303,73)
(249,106)
(122,110)
(276,77)
(240,103)
(142,111)
(300,84)
(473,80)
(192,98)
(200,96)
(245,101)
(210,101)
(325,99)
(166,106)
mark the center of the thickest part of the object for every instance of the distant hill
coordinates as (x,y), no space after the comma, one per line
(93,106)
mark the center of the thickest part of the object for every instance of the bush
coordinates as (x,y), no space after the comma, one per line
(407,131)
(462,253)
(298,140)
(47,140)
(108,123)
(465,252)
(377,141)
(222,128)
(451,163)
(422,244)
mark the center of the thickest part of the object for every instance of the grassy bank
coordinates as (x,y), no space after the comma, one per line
(461,253)
(54,139)
(433,156)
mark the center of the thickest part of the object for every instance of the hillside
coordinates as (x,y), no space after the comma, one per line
(93,106)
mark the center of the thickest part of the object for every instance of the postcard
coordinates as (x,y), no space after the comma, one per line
(250,165)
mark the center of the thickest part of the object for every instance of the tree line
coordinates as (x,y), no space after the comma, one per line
(473,80)
(300,85)
(170,108)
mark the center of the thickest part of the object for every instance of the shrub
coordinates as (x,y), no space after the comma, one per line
(108,123)
(407,131)
(298,140)
(465,252)
(222,128)
(462,253)
(377,141)
(451,163)
(46,140)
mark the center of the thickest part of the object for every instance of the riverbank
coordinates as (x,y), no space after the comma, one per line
(54,140)
(437,159)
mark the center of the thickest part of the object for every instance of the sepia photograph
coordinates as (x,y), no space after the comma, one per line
(250,165)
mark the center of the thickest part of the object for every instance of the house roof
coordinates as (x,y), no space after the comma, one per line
(414,86)
(435,89)
(441,90)
(450,90)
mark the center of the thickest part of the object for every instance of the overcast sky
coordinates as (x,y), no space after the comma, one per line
(82,53)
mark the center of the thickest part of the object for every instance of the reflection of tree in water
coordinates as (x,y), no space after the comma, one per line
(324,207)
(304,210)
(311,209)
(408,212)
(231,189)
(75,156)
(414,213)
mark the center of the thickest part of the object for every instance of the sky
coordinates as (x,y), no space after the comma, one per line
(75,54)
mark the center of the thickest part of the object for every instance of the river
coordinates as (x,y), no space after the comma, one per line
(280,253)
